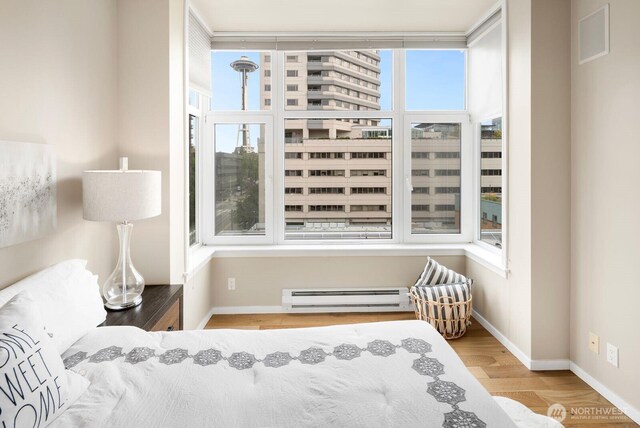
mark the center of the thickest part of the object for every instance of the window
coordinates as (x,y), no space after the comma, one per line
(194,132)
(492,171)
(491,182)
(326,190)
(360,208)
(330,172)
(326,173)
(447,155)
(435,80)
(326,207)
(436,138)
(419,207)
(420,155)
(491,155)
(239,177)
(326,155)
(447,190)
(368,190)
(368,155)
(447,172)
(320,159)
(368,172)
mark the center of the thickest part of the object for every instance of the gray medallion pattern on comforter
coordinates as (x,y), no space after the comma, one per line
(442,391)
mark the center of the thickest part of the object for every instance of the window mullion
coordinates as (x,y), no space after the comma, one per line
(278,97)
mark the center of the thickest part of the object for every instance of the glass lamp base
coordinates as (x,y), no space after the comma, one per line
(119,303)
(123,289)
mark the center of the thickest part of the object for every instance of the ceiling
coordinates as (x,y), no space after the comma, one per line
(341,15)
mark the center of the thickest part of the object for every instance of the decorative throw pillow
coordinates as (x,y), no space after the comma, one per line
(68,299)
(35,388)
(435,274)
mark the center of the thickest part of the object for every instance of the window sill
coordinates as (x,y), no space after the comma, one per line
(490,259)
(198,259)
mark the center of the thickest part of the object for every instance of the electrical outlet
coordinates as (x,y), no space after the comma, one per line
(612,354)
(231,283)
(594,343)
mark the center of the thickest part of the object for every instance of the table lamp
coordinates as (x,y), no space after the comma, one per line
(122,196)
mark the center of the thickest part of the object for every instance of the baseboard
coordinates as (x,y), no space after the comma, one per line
(203,323)
(517,352)
(614,398)
(538,365)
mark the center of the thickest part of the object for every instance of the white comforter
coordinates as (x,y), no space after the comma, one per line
(393,374)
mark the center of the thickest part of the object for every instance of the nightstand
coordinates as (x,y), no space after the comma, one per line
(160,310)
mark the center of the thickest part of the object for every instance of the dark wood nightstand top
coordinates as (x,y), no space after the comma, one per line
(156,301)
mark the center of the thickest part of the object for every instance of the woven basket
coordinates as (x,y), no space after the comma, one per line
(450,318)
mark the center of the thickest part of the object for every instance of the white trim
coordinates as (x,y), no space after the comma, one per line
(524,359)
(339,250)
(488,14)
(198,259)
(614,398)
(538,365)
(487,258)
(203,323)
(223,310)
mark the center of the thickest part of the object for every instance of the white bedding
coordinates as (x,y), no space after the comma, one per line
(393,374)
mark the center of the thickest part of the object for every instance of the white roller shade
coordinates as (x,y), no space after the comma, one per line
(199,56)
(337,41)
(485,75)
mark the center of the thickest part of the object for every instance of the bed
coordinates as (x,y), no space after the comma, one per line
(391,374)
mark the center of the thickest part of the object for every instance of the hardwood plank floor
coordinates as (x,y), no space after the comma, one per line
(491,363)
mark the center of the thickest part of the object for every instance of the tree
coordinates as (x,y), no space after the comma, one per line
(246,213)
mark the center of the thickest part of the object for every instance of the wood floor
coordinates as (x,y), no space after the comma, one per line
(490,362)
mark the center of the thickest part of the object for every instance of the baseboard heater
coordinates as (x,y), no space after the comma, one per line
(379,299)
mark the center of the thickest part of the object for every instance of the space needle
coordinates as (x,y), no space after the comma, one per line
(244,66)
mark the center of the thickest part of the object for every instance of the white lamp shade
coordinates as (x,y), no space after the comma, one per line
(121,195)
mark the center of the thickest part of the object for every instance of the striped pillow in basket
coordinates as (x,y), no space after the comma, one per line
(435,274)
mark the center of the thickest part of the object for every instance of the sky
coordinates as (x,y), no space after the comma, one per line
(435,80)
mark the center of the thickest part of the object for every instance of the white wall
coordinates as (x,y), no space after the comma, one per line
(605,208)
(58,86)
(150,132)
(531,307)
(260,280)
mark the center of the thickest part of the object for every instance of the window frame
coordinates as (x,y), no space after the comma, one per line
(198,111)
(400,204)
(477,186)
(207,205)
(466,180)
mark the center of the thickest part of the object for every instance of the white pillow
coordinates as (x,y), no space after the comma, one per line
(68,298)
(36,387)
